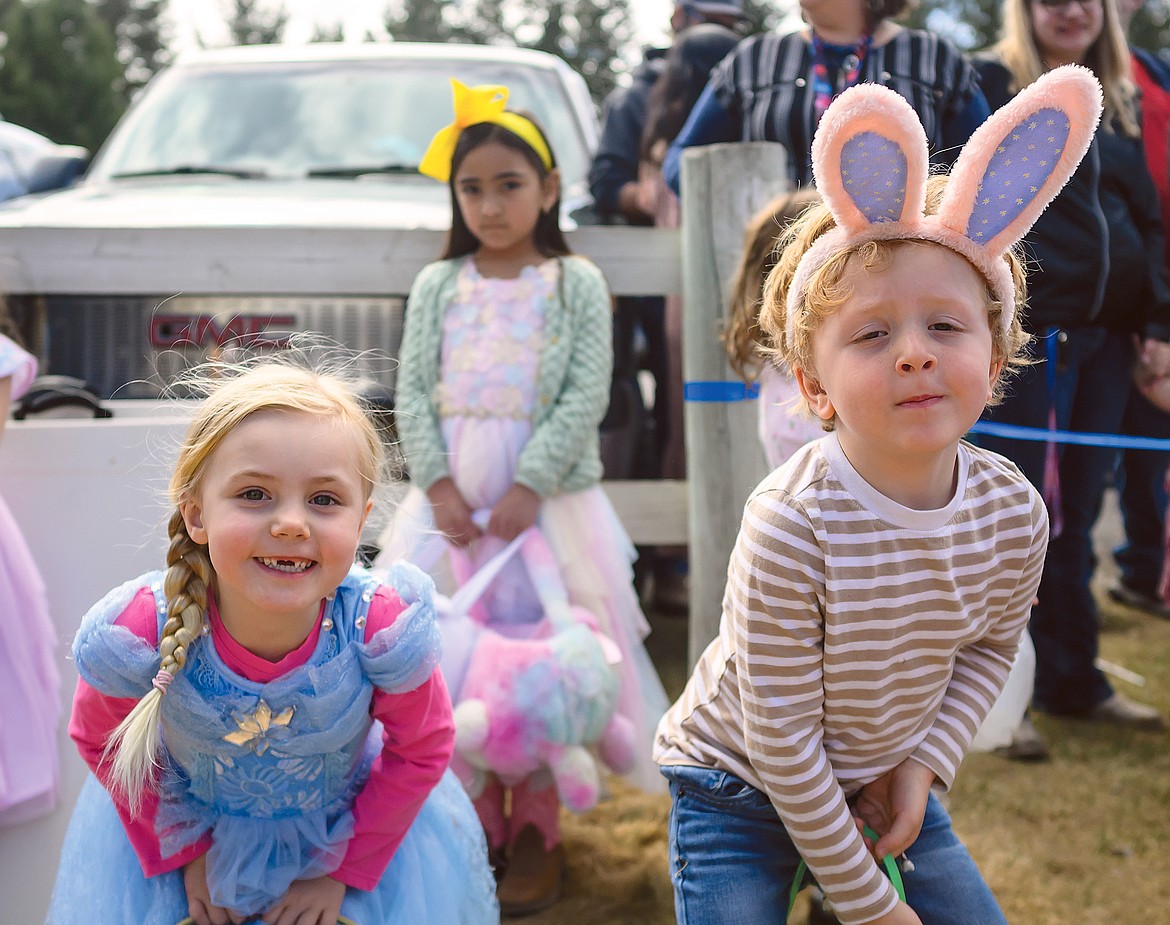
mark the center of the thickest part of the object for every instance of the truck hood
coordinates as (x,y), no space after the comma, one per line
(226,202)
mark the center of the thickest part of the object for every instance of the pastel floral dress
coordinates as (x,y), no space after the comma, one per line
(493,337)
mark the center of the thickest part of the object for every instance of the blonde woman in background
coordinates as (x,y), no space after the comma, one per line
(1097,286)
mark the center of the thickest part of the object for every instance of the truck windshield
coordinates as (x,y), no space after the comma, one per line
(340,118)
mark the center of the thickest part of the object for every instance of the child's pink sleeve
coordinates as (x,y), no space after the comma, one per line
(94,718)
(418,739)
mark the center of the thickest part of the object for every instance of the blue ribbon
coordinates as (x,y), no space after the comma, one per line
(1043,435)
(720,391)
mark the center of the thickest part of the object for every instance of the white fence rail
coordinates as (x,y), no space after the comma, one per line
(88,494)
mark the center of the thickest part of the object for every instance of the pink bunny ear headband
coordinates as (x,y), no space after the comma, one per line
(870,165)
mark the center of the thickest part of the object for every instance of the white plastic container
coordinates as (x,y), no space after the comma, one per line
(1008,710)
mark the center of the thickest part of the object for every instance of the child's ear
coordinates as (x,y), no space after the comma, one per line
(193,519)
(993,375)
(817,398)
(552,189)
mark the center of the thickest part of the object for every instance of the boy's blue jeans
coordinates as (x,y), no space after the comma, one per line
(732,862)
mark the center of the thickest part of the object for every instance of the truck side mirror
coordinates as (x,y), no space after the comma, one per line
(57,169)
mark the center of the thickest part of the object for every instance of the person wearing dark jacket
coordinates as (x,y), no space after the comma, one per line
(1098,302)
(1141,477)
(613,176)
(614,183)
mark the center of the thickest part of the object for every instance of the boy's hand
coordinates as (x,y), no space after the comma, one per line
(514,513)
(199,905)
(894,806)
(451,513)
(308,902)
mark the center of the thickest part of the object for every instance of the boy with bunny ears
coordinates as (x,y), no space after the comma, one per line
(884,574)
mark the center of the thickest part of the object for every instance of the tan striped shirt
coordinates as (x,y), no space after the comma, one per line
(857,633)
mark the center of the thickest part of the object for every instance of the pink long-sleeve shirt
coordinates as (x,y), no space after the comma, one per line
(417,742)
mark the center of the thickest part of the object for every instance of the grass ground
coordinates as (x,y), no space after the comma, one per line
(1081,840)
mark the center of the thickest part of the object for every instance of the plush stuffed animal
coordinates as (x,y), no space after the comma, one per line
(539,699)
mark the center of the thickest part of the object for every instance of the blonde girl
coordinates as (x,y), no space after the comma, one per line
(266,727)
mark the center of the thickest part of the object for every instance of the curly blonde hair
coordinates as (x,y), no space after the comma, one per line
(233,394)
(825,293)
(743,337)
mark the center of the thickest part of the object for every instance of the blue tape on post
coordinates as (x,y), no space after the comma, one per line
(1043,435)
(720,391)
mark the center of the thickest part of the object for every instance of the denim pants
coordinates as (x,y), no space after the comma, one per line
(732,862)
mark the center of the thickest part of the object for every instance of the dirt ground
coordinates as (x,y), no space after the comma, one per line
(1081,840)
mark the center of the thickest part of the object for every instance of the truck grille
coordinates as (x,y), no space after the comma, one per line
(131,346)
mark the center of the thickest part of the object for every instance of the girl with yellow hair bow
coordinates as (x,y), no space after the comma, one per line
(503,380)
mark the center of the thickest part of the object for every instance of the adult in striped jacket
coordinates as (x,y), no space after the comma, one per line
(775,87)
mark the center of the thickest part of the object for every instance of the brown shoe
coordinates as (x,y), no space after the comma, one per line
(532,880)
(1119,710)
(1026,745)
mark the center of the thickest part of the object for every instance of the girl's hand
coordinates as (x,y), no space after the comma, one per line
(308,902)
(451,513)
(894,806)
(514,513)
(199,904)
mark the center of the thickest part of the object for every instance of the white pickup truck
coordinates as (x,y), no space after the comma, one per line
(247,194)
(251,192)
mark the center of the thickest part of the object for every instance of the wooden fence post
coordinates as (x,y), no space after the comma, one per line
(722,187)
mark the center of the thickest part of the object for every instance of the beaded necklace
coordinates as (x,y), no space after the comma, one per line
(824,90)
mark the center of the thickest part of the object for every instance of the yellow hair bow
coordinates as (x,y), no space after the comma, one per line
(474,105)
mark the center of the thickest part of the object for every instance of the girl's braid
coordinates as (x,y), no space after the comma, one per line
(185,586)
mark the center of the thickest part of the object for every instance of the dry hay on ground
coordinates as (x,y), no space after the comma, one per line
(1081,840)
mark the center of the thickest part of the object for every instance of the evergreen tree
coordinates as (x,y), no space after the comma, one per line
(1150,27)
(59,71)
(251,25)
(763,15)
(970,24)
(589,35)
(323,33)
(421,21)
(138,31)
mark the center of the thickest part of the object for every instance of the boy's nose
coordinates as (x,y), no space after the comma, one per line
(914,353)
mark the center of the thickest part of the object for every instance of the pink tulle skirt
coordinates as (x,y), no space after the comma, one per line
(30,685)
(585,535)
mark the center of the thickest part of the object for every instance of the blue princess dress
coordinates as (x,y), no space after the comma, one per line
(270,771)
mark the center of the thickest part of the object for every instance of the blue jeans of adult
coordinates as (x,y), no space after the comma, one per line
(732,862)
(1141,480)
(1091,379)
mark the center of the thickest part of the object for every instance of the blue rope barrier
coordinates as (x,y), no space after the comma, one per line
(733,391)
(1079,438)
(720,391)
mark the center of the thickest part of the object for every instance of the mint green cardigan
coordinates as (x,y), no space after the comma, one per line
(573,380)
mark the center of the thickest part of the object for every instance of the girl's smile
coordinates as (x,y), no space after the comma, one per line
(282,520)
